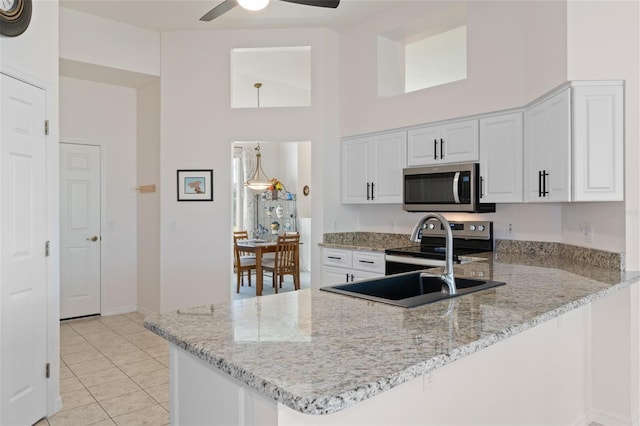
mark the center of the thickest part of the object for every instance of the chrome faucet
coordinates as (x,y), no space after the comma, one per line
(416,236)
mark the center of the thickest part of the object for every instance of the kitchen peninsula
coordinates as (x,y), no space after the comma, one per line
(529,352)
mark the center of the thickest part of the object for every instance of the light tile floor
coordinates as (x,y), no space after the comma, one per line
(113,371)
(247,292)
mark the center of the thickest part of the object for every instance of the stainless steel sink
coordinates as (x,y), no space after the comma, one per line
(410,289)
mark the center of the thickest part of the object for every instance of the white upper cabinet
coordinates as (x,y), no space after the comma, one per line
(455,142)
(598,143)
(548,150)
(567,146)
(501,167)
(356,186)
(372,168)
(574,144)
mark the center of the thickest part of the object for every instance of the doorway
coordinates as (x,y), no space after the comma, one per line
(80,236)
(290,164)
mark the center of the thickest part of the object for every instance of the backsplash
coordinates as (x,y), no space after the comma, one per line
(373,240)
(583,255)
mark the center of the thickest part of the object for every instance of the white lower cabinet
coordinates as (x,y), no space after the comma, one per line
(345,266)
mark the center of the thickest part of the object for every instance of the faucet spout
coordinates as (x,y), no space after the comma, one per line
(416,236)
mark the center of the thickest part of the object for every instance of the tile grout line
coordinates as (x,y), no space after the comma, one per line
(123,372)
(115,331)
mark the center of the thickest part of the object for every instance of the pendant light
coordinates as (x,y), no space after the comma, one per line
(259,181)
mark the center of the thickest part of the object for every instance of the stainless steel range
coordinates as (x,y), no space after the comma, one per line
(468,238)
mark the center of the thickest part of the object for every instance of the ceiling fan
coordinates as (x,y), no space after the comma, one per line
(227,5)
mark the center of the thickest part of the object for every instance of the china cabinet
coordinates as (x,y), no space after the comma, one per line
(275,214)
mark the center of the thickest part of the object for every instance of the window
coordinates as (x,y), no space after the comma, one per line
(426,53)
(436,60)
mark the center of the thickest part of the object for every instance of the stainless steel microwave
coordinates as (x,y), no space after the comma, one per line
(447,188)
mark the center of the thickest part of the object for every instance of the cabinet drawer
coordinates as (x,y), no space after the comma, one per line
(368,261)
(337,257)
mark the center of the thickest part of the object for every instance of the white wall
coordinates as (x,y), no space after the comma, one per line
(148,204)
(95,40)
(604,43)
(33,56)
(517,52)
(495,73)
(102,114)
(198,128)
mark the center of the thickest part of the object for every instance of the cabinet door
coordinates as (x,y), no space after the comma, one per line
(547,150)
(423,146)
(355,171)
(598,161)
(388,158)
(557,147)
(362,275)
(501,140)
(369,262)
(337,257)
(459,142)
(332,275)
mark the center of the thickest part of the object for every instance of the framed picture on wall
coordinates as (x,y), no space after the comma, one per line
(195,185)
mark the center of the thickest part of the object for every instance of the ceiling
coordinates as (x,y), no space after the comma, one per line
(175,15)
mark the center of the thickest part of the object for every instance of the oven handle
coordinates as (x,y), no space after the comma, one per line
(456,195)
(413,260)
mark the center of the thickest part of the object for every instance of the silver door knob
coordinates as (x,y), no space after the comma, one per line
(94,238)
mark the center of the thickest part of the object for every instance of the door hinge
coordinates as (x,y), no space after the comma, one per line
(47,249)
(46,127)
(47,370)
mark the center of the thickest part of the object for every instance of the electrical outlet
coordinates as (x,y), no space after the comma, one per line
(427,381)
(587,230)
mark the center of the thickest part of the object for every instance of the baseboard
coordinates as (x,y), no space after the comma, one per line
(144,311)
(585,420)
(119,311)
(57,405)
(611,419)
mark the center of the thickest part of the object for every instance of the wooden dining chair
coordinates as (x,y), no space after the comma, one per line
(243,261)
(286,261)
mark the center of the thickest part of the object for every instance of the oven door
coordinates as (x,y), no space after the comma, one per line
(395,264)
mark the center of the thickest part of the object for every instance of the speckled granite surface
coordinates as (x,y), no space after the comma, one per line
(379,241)
(582,255)
(319,352)
(368,241)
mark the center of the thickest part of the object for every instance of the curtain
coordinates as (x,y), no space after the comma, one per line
(245,160)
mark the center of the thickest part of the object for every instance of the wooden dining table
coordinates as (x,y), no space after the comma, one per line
(259,249)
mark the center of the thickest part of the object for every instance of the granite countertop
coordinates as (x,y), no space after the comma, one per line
(318,352)
(365,241)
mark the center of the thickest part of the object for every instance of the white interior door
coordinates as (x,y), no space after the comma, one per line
(23,266)
(79,230)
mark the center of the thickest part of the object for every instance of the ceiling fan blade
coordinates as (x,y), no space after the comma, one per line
(319,3)
(220,9)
